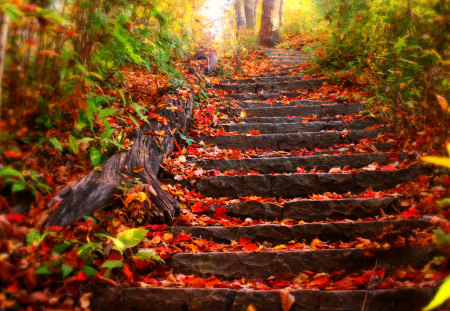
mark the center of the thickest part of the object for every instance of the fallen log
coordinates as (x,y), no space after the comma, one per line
(96,190)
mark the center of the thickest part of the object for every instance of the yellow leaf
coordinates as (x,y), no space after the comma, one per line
(443,102)
(168,236)
(131,198)
(251,307)
(282,246)
(437,161)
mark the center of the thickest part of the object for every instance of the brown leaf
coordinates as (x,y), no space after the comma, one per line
(84,300)
(287,300)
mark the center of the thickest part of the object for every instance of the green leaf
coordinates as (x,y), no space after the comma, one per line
(96,155)
(86,249)
(43,270)
(18,187)
(60,248)
(112,264)
(11,172)
(188,140)
(441,296)
(106,113)
(118,245)
(32,237)
(148,254)
(132,237)
(66,270)
(107,134)
(89,271)
(443,202)
(55,142)
(73,144)
(134,120)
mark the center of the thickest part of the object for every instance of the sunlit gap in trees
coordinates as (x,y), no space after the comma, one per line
(214,11)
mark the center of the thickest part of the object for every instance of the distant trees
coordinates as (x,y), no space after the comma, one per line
(272,11)
(271,19)
(251,12)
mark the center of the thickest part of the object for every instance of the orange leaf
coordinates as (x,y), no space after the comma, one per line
(48,53)
(12,154)
(137,169)
(287,300)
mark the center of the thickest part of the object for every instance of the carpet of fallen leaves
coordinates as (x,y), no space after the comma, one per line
(47,267)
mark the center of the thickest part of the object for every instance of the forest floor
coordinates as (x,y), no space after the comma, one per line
(278,166)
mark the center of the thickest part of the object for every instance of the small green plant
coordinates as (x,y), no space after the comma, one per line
(442,238)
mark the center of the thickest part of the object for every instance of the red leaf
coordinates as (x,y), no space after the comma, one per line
(80,277)
(16,217)
(198,207)
(413,212)
(127,272)
(220,213)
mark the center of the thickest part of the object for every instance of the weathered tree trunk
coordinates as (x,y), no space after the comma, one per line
(4,23)
(281,12)
(251,10)
(270,23)
(210,55)
(96,190)
(240,15)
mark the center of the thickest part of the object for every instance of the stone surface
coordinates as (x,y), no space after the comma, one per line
(302,185)
(212,299)
(305,111)
(234,265)
(310,210)
(292,164)
(256,104)
(288,142)
(293,85)
(281,234)
(272,128)
(319,210)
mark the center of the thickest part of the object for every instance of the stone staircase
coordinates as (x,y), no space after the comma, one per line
(281,129)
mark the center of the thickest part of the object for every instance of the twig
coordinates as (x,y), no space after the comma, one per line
(368,285)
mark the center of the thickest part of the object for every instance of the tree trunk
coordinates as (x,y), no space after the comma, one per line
(281,12)
(4,23)
(240,15)
(270,23)
(96,190)
(251,10)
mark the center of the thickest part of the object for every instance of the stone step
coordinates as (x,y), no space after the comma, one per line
(288,119)
(306,110)
(211,299)
(264,264)
(280,234)
(292,164)
(307,102)
(270,51)
(263,96)
(261,79)
(310,210)
(303,185)
(272,128)
(294,85)
(289,142)
(288,62)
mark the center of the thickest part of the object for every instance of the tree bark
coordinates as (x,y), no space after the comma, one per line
(270,23)
(96,190)
(4,25)
(281,12)
(240,15)
(251,10)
